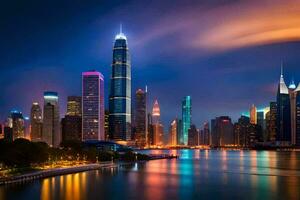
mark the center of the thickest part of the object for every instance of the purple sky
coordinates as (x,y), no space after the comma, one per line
(225,54)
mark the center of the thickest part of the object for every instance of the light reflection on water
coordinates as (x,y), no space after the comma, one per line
(197,174)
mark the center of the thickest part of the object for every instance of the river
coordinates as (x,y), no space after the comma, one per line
(195,175)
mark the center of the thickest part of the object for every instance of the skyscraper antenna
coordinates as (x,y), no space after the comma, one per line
(281,70)
(120,28)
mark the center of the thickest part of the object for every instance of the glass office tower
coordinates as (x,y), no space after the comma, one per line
(120,91)
(92,106)
(186,118)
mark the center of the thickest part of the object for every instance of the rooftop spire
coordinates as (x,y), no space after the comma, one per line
(121,35)
(282,86)
(281,70)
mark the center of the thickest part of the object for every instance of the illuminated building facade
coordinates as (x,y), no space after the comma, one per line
(74,107)
(120,91)
(106,124)
(193,136)
(297,90)
(8,130)
(51,122)
(92,106)
(253,115)
(293,96)
(283,121)
(157,127)
(18,124)
(36,122)
(186,118)
(173,132)
(222,131)
(271,122)
(140,118)
(205,135)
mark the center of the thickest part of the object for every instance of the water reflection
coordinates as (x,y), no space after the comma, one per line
(197,174)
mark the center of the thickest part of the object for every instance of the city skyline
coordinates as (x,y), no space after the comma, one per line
(237,67)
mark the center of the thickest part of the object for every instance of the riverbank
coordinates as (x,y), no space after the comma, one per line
(45,173)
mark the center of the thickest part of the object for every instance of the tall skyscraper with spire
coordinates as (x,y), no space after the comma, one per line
(283,121)
(120,90)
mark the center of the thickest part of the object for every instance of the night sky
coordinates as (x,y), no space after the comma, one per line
(225,54)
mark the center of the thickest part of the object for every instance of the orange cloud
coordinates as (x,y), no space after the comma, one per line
(252,24)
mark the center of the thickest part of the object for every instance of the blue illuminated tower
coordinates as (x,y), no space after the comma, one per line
(186,119)
(120,91)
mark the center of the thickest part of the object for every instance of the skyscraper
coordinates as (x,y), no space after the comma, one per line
(71,124)
(18,124)
(186,118)
(293,96)
(297,90)
(120,91)
(51,123)
(283,121)
(93,106)
(74,106)
(71,128)
(140,117)
(205,137)
(36,122)
(272,121)
(157,127)
(173,132)
(222,131)
(193,136)
(253,115)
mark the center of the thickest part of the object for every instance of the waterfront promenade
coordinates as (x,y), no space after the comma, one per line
(45,173)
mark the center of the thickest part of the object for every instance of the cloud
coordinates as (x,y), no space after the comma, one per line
(227,26)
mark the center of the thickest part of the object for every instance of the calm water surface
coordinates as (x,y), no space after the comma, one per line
(196,175)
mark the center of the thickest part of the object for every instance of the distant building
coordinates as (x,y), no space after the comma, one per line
(179,133)
(36,122)
(18,125)
(51,122)
(140,118)
(205,135)
(120,91)
(92,106)
(106,124)
(173,132)
(71,128)
(297,90)
(193,136)
(74,107)
(157,127)
(8,130)
(283,120)
(71,124)
(222,131)
(253,115)
(246,134)
(150,137)
(293,97)
(271,122)
(186,118)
